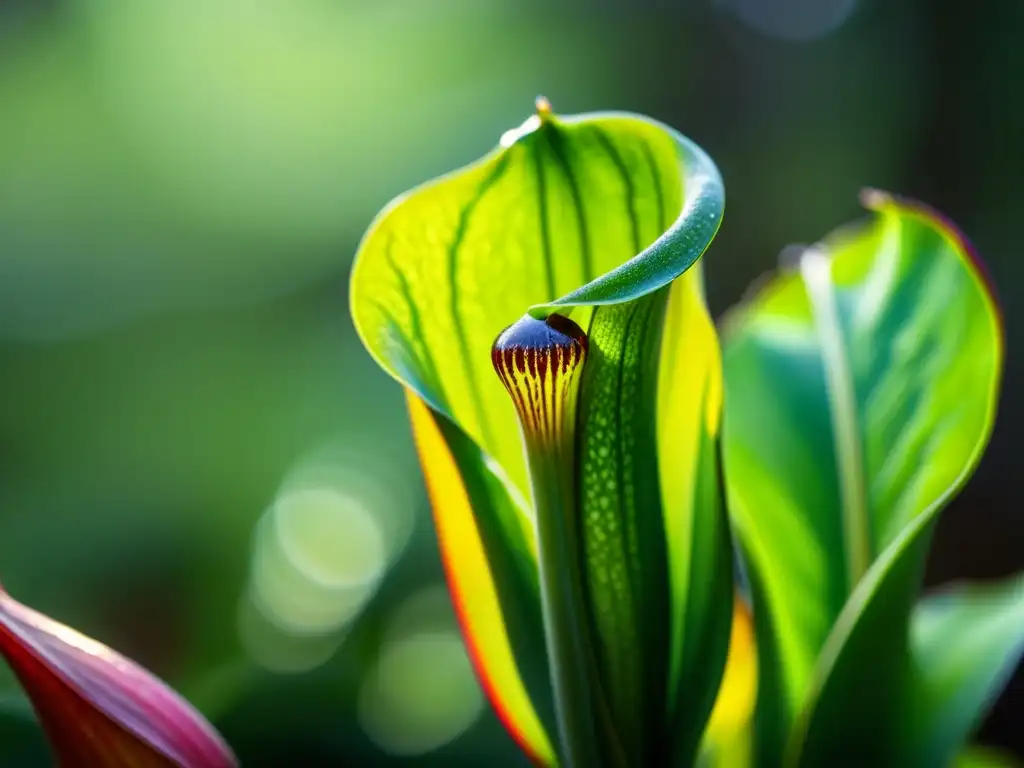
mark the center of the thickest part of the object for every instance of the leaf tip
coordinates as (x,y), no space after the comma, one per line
(543,107)
(98,707)
(543,115)
(874,199)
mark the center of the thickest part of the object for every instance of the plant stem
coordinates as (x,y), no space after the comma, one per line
(563,605)
(539,362)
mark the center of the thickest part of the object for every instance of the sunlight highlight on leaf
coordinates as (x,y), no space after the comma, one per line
(577,222)
(99,708)
(881,359)
(472,588)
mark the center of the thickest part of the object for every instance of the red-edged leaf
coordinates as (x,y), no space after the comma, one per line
(98,708)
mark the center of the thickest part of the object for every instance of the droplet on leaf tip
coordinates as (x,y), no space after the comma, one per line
(543,107)
(873,198)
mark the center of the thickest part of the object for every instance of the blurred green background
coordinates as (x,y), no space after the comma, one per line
(200,465)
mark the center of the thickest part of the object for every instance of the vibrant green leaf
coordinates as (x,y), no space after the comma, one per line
(695,524)
(984,757)
(966,642)
(457,486)
(583,224)
(728,739)
(561,209)
(861,389)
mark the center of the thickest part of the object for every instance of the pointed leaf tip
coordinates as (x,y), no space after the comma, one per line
(591,217)
(883,370)
(97,707)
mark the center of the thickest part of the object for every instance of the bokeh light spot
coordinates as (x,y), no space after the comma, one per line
(330,537)
(357,468)
(421,695)
(429,610)
(320,552)
(317,560)
(791,20)
(279,651)
(422,692)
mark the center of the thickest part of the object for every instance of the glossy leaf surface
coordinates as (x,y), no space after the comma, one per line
(592,217)
(861,389)
(99,708)
(558,214)
(966,642)
(471,579)
(689,404)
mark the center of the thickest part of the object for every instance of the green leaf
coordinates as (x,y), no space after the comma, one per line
(695,523)
(728,741)
(966,643)
(655,548)
(578,227)
(556,216)
(861,389)
(490,566)
(984,757)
